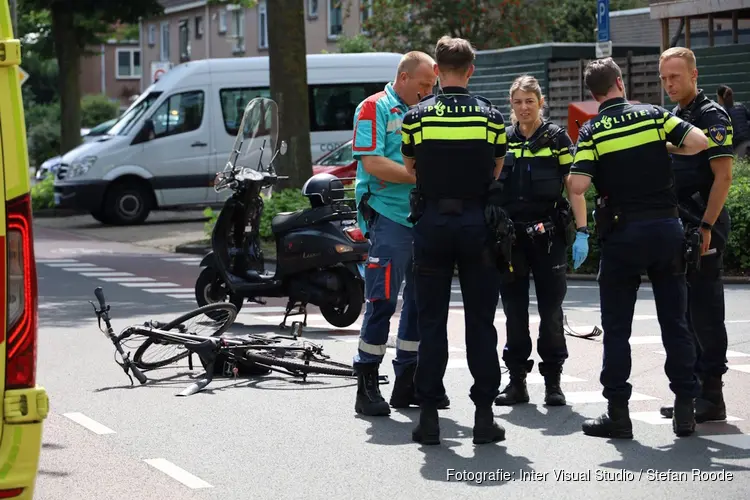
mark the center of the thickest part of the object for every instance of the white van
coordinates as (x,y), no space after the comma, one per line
(165,150)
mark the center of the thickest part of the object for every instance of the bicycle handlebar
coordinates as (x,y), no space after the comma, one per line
(103,313)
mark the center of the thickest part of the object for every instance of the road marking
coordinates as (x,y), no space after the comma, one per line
(88,269)
(148,284)
(177,473)
(268,309)
(738,321)
(182,259)
(583,397)
(741,441)
(740,368)
(72,264)
(170,290)
(56,261)
(645,339)
(182,295)
(88,423)
(134,279)
(729,354)
(117,273)
(537,378)
(655,418)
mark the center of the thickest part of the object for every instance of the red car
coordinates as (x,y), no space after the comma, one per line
(338,162)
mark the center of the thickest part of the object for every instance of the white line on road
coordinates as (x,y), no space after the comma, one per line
(183,295)
(134,279)
(72,264)
(56,261)
(183,259)
(177,473)
(149,284)
(88,269)
(169,290)
(117,273)
(88,423)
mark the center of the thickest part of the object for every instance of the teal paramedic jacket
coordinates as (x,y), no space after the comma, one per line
(377,131)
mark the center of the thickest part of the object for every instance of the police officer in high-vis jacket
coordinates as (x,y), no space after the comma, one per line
(533,177)
(702,181)
(455,143)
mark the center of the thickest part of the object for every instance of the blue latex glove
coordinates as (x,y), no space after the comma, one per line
(580,249)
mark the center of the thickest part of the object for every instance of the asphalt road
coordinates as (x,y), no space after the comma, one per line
(276,437)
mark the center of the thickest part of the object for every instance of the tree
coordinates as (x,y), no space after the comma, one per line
(287,52)
(574,21)
(75,25)
(401,26)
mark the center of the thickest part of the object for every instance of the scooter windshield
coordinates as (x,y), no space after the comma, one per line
(256,141)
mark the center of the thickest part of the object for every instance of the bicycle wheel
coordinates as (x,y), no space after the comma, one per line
(212,311)
(295,364)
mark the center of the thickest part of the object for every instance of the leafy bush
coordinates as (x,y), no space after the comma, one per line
(43,141)
(737,258)
(42,194)
(96,109)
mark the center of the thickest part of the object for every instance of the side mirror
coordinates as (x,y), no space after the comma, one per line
(145,132)
(282,148)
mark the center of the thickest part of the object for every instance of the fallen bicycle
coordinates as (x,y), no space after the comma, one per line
(270,352)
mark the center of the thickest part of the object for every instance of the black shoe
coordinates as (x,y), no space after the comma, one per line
(683,418)
(369,400)
(615,423)
(403,395)
(486,430)
(515,392)
(553,394)
(710,407)
(427,432)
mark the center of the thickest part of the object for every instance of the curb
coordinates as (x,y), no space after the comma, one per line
(200,248)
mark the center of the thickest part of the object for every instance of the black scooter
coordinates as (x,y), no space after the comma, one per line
(318,249)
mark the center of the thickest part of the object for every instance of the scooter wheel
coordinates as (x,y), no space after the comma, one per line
(344,316)
(205,293)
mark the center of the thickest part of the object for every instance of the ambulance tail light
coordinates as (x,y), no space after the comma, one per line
(22,321)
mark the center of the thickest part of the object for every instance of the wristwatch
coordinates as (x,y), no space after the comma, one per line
(583,229)
(705,225)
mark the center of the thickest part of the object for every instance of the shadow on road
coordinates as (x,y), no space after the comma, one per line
(557,421)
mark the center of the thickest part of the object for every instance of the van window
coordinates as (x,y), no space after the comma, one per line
(233,102)
(180,113)
(126,122)
(332,106)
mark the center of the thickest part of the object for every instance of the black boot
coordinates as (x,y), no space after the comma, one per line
(615,423)
(427,431)
(515,391)
(553,394)
(683,419)
(369,400)
(486,430)
(403,395)
(710,405)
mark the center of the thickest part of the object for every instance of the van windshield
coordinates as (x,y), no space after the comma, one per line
(132,115)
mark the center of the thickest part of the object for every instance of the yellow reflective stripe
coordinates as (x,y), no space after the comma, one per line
(514,144)
(586,154)
(565,159)
(634,126)
(454,119)
(501,138)
(629,142)
(410,126)
(454,133)
(586,144)
(405,139)
(417,138)
(671,123)
(712,144)
(491,136)
(498,126)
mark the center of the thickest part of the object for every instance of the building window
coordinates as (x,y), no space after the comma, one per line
(335,18)
(365,13)
(262,26)
(237,28)
(184,32)
(128,64)
(222,21)
(151,35)
(198,27)
(164,49)
(312,9)
(179,114)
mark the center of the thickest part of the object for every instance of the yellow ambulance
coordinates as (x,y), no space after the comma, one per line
(25,405)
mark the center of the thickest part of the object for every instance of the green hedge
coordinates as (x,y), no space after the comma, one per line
(737,258)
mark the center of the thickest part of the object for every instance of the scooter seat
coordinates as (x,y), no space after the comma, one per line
(287,221)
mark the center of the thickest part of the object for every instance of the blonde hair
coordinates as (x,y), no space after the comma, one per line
(526,83)
(681,53)
(412,60)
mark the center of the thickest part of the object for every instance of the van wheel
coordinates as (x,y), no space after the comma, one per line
(101,216)
(127,204)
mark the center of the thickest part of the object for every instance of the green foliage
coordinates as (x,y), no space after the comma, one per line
(248,4)
(355,44)
(737,258)
(42,194)
(489,24)
(288,200)
(575,21)
(96,109)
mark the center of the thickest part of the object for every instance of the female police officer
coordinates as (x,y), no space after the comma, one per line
(536,166)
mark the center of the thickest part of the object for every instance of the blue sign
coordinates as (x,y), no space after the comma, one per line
(602,20)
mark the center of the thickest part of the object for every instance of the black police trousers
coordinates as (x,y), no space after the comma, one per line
(654,247)
(546,257)
(706,304)
(441,242)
